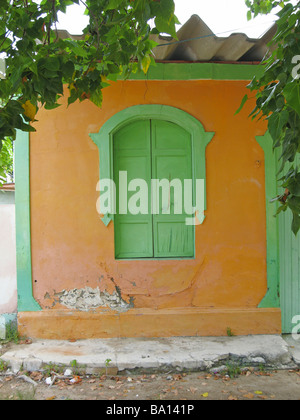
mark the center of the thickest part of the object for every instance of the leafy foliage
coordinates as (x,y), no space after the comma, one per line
(278,97)
(6,160)
(41,66)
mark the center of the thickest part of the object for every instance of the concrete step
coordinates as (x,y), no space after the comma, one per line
(157,354)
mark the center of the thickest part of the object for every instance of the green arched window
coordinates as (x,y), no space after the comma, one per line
(153,154)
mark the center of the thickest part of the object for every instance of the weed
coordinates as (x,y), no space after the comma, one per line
(74,364)
(262,368)
(11,333)
(233,370)
(3,366)
(52,367)
(76,368)
(229,332)
(107,362)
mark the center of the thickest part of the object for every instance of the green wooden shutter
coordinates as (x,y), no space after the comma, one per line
(158,150)
(133,233)
(171,161)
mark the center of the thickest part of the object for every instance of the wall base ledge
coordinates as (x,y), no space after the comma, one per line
(175,322)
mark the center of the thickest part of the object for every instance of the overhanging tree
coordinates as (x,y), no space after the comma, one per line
(277,94)
(40,65)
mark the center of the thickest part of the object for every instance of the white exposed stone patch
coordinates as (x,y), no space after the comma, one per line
(88,299)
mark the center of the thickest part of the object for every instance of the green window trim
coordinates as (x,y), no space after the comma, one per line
(199,71)
(199,137)
(272,297)
(26,301)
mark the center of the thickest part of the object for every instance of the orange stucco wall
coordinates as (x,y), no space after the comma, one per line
(71,247)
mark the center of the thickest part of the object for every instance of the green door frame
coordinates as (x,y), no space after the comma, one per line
(26,301)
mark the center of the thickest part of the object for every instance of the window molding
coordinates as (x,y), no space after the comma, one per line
(271,299)
(200,139)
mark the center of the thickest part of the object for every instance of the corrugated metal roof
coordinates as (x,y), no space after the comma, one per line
(8,187)
(197,42)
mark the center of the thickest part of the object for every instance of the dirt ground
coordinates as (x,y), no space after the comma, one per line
(281,385)
(232,384)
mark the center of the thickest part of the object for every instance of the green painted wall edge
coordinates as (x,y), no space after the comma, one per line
(104,138)
(199,71)
(26,302)
(271,299)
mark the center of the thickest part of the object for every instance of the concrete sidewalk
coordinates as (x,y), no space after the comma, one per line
(158,354)
(165,354)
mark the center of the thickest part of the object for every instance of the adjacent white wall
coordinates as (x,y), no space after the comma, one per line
(8,278)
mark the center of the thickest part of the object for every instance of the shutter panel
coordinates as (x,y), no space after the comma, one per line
(132,153)
(171,160)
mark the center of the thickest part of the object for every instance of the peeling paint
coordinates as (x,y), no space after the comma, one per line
(88,299)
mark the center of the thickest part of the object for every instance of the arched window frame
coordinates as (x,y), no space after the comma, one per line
(200,139)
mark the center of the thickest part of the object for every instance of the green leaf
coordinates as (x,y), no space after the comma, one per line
(276,123)
(146,61)
(244,100)
(167,9)
(52,64)
(27,128)
(294,187)
(294,204)
(292,95)
(165,27)
(97,97)
(295,223)
(76,48)
(113,4)
(73,97)
(68,70)
(270,95)
(51,105)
